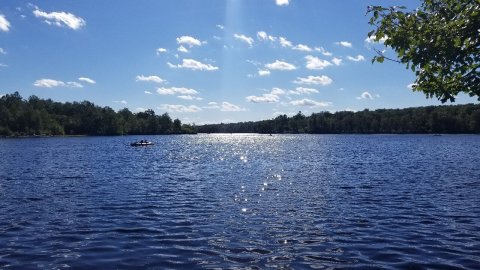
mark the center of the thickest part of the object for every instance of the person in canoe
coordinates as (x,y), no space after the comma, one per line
(142,143)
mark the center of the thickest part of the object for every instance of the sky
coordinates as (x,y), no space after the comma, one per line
(203,61)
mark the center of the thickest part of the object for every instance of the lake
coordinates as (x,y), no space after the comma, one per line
(241,201)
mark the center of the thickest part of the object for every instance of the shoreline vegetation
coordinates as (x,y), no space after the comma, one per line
(35,117)
(444,119)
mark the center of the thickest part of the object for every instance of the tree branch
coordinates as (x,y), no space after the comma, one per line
(385,57)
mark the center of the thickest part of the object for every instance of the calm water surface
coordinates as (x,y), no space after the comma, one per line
(241,201)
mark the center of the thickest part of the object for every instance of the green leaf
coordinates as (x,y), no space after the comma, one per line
(438,41)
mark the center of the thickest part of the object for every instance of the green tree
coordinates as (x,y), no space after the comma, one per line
(165,123)
(297,123)
(177,126)
(475,121)
(127,120)
(281,123)
(439,41)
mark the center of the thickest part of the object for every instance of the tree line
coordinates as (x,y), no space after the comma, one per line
(431,119)
(35,116)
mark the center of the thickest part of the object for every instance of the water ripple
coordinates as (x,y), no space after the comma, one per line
(241,201)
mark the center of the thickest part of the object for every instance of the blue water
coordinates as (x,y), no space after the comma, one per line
(241,201)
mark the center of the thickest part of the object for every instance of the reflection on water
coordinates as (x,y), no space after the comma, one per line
(229,201)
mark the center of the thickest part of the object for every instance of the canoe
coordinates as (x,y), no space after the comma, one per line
(141,144)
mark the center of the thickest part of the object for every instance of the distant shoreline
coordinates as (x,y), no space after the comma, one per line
(46,117)
(227,133)
(83,135)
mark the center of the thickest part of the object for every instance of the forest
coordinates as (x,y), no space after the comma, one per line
(431,119)
(35,116)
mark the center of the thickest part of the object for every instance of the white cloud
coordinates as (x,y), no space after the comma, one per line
(221,27)
(323,51)
(277,91)
(365,95)
(74,85)
(148,92)
(153,78)
(161,50)
(284,42)
(182,49)
(358,58)
(303,48)
(310,103)
(282,2)
(244,38)
(4,23)
(280,65)
(316,63)
(302,90)
(50,83)
(262,35)
(411,86)
(188,40)
(87,80)
(193,65)
(372,38)
(180,108)
(316,80)
(262,72)
(229,107)
(3,65)
(60,19)
(265,98)
(212,105)
(344,44)
(2,51)
(176,90)
(189,97)
(140,109)
(120,101)
(337,61)
(272,97)
(253,62)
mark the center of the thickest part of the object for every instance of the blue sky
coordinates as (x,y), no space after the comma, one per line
(202,61)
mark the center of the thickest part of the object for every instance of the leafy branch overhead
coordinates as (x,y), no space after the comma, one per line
(440,42)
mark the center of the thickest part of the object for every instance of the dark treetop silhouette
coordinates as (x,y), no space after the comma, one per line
(439,41)
(36,116)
